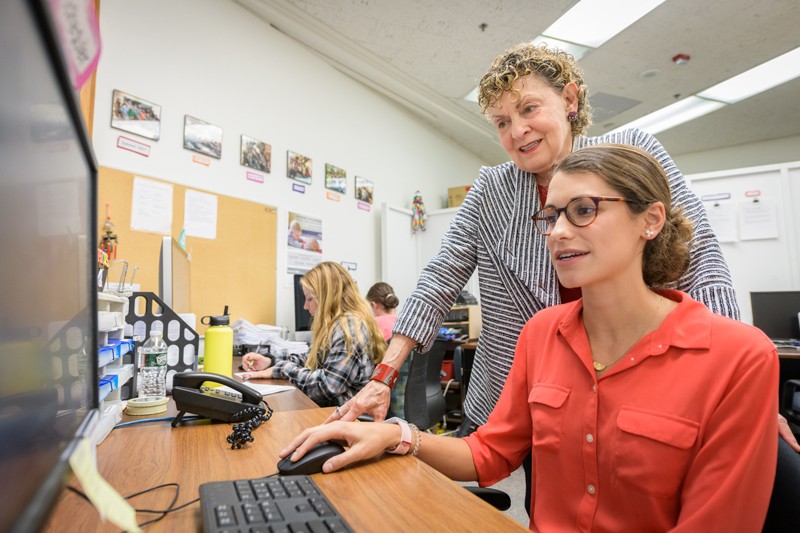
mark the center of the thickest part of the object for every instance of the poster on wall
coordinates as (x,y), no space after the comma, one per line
(304,243)
(364,189)
(335,178)
(298,167)
(202,137)
(256,154)
(134,115)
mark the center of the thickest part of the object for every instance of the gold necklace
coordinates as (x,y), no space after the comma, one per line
(599,367)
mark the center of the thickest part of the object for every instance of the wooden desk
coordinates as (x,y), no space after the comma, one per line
(788,353)
(394,494)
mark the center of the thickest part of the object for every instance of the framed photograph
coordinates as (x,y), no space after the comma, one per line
(298,167)
(202,137)
(256,154)
(335,178)
(134,115)
(363,189)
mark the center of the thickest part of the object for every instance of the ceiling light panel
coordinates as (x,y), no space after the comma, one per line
(593,22)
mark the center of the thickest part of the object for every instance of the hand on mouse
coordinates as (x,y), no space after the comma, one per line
(364,441)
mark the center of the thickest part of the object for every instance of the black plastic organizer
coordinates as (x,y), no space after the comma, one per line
(182,340)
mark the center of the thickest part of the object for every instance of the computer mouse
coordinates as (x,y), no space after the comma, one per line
(312,461)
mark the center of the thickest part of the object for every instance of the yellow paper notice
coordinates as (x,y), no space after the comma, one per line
(106,500)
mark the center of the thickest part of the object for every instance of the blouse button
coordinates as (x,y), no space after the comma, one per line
(590,489)
(594,388)
(589,437)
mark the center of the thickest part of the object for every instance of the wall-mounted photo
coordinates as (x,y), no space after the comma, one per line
(298,167)
(134,115)
(363,189)
(202,137)
(256,154)
(335,178)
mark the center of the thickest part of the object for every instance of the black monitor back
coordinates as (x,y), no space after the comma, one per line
(775,313)
(302,318)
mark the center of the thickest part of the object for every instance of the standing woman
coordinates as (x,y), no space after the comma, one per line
(644,411)
(346,343)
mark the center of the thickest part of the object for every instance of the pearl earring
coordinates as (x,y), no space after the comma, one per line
(649,233)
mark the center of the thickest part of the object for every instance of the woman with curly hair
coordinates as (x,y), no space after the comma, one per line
(346,343)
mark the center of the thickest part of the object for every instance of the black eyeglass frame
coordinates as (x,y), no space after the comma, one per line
(537,219)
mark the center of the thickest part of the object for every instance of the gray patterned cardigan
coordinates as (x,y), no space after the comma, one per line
(493,231)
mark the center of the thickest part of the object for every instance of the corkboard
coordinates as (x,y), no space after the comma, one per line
(236,269)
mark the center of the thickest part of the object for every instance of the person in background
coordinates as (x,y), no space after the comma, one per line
(346,342)
(644,410)
(384,306)
(537,100)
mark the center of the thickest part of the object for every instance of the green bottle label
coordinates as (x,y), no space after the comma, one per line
(155,359)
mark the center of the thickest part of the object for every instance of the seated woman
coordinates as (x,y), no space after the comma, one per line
(346,342)
(384,304)
(644,411)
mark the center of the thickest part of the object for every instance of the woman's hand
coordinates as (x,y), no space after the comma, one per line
(364,441)
(373,399)
(786,433)
(256,366)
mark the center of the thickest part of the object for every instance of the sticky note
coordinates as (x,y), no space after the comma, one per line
(106,500)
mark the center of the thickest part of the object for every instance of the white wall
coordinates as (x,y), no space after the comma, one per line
(783,150)
(215,61)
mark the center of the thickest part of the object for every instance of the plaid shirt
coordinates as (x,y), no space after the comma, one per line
(341,374)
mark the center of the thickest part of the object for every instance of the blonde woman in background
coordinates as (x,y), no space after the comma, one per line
(346,342)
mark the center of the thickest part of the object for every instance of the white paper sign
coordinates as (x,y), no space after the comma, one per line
(758,220)
(151,206)
(200,214)
(722,217)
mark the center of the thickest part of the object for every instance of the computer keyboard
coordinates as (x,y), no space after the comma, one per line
(289,504)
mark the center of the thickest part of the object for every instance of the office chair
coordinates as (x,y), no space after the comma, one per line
(425,406)
(782,514)
(790,402)
(424,401)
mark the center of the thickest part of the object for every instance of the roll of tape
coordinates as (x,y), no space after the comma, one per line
(146,406)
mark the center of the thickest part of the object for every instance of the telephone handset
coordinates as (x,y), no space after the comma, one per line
(191,396)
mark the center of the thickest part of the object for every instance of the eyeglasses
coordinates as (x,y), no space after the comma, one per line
(580,212)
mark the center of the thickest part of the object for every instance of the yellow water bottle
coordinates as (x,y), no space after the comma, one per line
(218,345)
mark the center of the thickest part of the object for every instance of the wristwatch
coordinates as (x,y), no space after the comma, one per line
(386,375)
(405,436)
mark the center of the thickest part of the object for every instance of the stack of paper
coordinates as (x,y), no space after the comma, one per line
(245,333)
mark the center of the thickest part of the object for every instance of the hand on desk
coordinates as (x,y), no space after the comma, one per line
(257,366)
(373,399)
(786,433)
(364,440)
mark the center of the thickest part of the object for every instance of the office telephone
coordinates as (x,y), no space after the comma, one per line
(191,396)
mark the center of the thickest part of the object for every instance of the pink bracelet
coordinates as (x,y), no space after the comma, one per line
(405,436)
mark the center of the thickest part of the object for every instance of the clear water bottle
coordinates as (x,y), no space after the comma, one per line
(153,367)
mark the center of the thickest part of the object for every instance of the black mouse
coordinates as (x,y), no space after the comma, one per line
(312,461)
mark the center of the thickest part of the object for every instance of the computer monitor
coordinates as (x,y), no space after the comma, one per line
(174,276)
(48,251)
(775,313)
(302,318)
